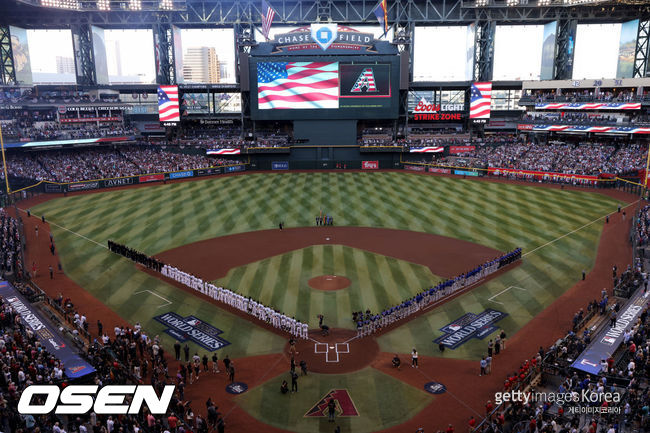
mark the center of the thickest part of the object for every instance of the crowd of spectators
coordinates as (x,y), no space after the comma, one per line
(30,95)
(580,159)
(128,357)
(587,95)
(10,239)
(643,226)
(87,164)
(38,125)
(624,372)
(583,118)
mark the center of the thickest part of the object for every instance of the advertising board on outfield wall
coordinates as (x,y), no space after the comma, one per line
(125,181)
(280,165)
(208,171)
(234,168)
(414,167)
(181,174)
(466,172)
(109,183)
(370,165)
(83,186)
(543,175)
(151,178)
(52,187)
(439,170)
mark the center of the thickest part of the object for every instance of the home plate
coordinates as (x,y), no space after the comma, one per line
(327,239)
(331,347)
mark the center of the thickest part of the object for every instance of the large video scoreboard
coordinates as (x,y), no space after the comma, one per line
(324,87)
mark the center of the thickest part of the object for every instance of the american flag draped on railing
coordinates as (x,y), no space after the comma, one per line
(480,99)
(168,110)
(297,85)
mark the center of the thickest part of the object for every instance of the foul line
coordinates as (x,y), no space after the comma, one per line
(503,291)
(157,295)
(576,230)
(70,231)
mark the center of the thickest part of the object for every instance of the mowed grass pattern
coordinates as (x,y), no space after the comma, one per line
(375,282)
(157,218)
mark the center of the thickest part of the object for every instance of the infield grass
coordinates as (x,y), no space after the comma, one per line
(498,215)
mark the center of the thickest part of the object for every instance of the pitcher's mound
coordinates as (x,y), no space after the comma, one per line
(329,282)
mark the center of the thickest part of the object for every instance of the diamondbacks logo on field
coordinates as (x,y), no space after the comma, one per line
(344,405)
(365,82)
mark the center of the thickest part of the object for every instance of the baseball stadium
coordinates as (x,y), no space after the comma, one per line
(324,216)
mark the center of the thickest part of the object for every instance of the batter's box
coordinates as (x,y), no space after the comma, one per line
(317,345)
(334,357)
(342,348)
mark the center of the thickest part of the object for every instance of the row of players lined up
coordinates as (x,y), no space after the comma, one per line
(370,323)
(247,305)
(135,256)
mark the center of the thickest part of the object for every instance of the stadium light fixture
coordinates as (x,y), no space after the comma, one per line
(543,2)
(104,5)
(135,5)
(481,3)
(512,2)
(166,4)
(60,4)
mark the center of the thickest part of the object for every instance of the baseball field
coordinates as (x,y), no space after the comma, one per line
(395,234)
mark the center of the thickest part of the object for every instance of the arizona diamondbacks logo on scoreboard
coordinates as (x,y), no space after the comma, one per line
(324,34)
(469,326)
(194,329)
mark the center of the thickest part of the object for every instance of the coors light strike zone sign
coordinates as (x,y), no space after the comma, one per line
(426,110)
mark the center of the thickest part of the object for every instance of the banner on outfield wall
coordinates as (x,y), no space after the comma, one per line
(439,170)
(181,174)
(50,187)
(461,149)
(109,183)
(543,175)
(280,165)
(466,172)
(414,167)
(82,186)
(151,178)
(234,168)
(208,171)
(370,165)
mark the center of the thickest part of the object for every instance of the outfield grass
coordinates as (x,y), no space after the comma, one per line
(381,401)
(375,282)
(498,215)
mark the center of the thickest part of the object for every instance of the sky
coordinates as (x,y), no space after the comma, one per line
(440,52)
(44,47)
(222,40)
(517,52)
(132,51)
(596,51)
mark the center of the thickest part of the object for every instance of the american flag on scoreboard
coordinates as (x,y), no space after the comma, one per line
(297,85)
(168,110)
(480,98)
(267,18)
